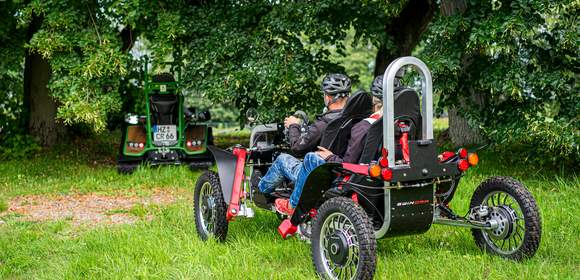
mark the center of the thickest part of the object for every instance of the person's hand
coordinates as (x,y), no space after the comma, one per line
(291,120)
(323,152)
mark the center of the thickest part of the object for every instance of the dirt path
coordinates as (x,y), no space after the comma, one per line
(90,209)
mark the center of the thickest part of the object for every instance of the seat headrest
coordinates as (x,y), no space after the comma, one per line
(407,104)
(163,78)
(359,105)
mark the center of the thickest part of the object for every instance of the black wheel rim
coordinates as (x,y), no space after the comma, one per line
(339,247)
(508,237)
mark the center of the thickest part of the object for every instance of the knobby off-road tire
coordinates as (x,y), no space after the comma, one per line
(341,224)
(209,208)
(515,200)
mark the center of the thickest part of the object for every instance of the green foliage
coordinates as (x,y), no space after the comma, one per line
(263,54)
(11,75)
(270,55)
(18,146)
(358,60)
(521,57)
(82,44)
(220,112)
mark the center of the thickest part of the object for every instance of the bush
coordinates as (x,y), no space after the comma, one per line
(18,146)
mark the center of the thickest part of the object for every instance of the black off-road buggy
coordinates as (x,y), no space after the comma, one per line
(169,133)
(401,186)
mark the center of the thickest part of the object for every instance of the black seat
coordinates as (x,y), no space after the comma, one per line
(337,133)
(407,110)
(163,109)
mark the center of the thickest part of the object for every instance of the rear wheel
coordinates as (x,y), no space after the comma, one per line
(513,208)
(343,241)
(209,208)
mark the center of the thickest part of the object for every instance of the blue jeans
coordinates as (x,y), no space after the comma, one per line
(311,161)
(287,166)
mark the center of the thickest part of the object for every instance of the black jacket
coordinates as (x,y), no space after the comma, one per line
(308,142)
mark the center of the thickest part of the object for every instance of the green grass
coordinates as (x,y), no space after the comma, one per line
(3,204)
(168,248)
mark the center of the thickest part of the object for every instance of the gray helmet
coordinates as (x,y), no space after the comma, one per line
(337,85)
(377,86)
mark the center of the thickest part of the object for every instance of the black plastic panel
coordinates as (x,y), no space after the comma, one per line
(226,163)
(318,182)
(411,210)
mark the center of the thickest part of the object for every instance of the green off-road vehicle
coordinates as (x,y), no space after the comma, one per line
(169,133)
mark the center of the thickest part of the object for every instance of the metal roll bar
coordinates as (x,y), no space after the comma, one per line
(388,102)
(389,118)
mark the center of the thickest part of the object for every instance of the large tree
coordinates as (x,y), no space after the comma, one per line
(40,108)
(73,55)
(510,69)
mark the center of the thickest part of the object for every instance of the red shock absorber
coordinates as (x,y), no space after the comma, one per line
(404,141)
(237,192)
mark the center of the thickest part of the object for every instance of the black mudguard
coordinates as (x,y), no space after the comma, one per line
(318,182)
(226,164)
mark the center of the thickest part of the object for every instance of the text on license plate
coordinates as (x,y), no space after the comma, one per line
(164,133)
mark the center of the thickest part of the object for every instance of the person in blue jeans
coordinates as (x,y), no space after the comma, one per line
(286,166)
(336,89)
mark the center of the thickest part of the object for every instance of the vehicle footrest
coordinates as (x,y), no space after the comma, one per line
(287,229)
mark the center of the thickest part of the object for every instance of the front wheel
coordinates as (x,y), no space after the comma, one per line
(513,208)
(343,241)
(209,208)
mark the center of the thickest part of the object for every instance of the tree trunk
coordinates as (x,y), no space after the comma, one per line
(406,30)
(460,132)
(40,107)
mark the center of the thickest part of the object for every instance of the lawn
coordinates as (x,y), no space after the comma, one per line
(166,246)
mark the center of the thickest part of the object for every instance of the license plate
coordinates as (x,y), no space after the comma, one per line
(164,133)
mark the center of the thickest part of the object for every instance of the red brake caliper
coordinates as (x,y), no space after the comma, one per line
(234,207)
